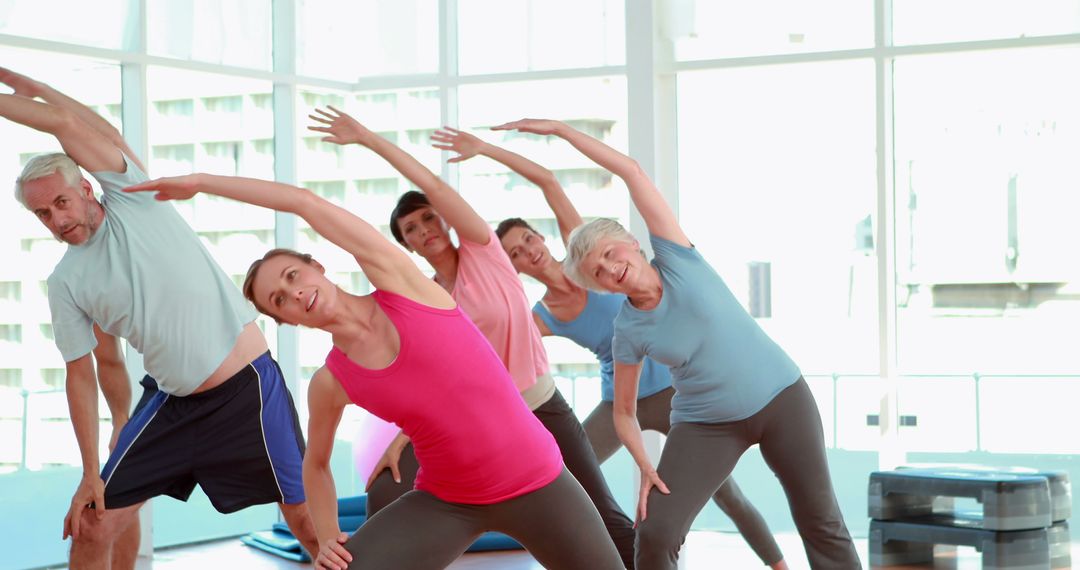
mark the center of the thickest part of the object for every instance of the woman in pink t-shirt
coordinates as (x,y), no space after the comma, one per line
(479,276)
(408,354)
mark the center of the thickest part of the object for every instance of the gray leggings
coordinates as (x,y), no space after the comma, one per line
(654,412)
(556,523)
(698,458)
(577,454)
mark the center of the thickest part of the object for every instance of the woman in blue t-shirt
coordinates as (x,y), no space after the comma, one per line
(734,386)
(588,318)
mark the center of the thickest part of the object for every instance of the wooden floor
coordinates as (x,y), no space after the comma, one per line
(703,551)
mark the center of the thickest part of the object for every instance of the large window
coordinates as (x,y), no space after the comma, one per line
(230,32)
(349,39)
(533,35)
(796,128)
(724,29)
(987,188)
(778,191)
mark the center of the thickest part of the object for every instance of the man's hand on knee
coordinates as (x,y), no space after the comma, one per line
(91,491)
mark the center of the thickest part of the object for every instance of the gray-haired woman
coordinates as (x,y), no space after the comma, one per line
(735,387)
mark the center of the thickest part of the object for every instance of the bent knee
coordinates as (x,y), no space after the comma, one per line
(654,535)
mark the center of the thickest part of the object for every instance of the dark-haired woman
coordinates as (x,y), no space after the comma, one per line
(409,355)
(479,276)
(734,386)
(588,318)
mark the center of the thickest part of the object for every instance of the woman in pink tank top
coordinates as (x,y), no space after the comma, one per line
(409,355)
(479,276)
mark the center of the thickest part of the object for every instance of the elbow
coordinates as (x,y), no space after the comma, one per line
(65,121)
(634,171)
(548,182)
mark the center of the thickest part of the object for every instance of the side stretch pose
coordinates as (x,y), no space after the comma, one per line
(588,318)
(734,386)
(408,354)
(479,276)
(215,411)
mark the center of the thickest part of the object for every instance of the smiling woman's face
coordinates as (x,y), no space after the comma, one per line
(294,291)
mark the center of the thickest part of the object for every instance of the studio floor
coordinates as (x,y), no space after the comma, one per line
(703,551)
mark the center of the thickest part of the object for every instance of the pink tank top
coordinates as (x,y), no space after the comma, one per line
(474,438)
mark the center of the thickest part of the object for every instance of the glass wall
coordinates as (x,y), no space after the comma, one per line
(796,129)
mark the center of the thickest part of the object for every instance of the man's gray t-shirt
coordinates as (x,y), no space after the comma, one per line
(723,366)
(145,276)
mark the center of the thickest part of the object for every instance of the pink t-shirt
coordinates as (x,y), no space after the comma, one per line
(489,291)
(474,438)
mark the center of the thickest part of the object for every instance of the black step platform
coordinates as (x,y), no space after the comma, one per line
(1009,501)
(912,542)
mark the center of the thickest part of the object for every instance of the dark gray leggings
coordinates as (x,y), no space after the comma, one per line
(557,524)
(654,412)
(578,456)
(697,458)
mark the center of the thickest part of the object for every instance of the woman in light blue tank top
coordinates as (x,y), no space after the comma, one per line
(734,386)
(588,319)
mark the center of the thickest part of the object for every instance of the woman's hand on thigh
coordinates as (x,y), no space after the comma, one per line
(649,479)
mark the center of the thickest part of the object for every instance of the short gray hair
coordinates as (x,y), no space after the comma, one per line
(44,165)
(582,240)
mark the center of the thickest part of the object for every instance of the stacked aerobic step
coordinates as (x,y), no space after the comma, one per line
(352,512)
(1020,522)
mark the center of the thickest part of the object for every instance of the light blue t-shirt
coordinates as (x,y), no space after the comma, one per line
(145,276)
(593,329)
(723,365)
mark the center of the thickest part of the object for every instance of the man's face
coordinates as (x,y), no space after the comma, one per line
(70,212)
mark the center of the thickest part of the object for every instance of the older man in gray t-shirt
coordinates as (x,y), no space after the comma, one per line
(215,411)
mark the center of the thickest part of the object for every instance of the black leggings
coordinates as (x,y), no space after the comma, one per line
(698,458)
(654,412)
(417,531)
(578,456)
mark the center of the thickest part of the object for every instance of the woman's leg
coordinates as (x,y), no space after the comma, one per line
(600,429)
(384,490)
(748,520)
(654,412)
(696,460)
(417,531)
(580,460)
(559,526)
(792,443)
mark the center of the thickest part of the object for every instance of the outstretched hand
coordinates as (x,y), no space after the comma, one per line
(21,84)
(465,144)
(170,188)
(340,127)
(535,126)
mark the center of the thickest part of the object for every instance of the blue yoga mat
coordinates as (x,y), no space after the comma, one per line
(286,554)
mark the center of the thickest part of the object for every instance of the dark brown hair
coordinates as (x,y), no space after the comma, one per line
(408,203)
(511,223)
(249,281)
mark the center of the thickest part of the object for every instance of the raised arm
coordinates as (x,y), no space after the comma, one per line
(27,87)
(468,146)
(659,217)
(342,129)
(326,402)
(386,266)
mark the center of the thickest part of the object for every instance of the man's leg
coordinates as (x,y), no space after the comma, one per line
(299,520)
(92,548)
(126,548)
